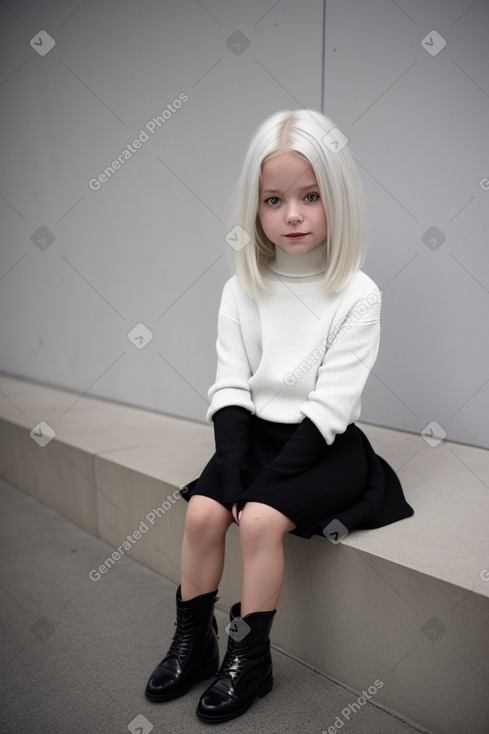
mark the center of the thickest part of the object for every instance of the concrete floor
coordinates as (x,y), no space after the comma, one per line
(76,653)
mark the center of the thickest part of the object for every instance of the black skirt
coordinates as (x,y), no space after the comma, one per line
(348,487)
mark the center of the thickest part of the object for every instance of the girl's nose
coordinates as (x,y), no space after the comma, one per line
(293,214)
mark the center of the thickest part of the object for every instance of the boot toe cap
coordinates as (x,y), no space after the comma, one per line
(164,679)
(220,699)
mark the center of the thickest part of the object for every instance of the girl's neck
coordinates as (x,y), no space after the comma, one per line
(298,266)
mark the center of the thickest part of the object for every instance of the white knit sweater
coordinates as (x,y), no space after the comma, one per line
(297,352)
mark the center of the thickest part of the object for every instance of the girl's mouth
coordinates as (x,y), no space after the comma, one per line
(296,235)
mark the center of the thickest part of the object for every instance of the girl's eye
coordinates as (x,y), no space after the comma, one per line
(315,197)
(273,201)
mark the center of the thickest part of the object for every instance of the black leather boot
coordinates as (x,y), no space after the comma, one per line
(194,652)
(246,671)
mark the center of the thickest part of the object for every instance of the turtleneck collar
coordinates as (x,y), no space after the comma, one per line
(298,266)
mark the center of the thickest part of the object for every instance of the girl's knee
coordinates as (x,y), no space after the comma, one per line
(261,524)
(206,518)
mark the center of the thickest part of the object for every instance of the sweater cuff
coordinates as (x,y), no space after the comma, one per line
(234,478)
(231,433)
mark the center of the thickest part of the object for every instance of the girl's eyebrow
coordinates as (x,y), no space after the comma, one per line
(278,191)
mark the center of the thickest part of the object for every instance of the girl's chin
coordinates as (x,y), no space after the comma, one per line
(299,246)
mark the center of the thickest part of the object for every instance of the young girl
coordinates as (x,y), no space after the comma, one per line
(298,333)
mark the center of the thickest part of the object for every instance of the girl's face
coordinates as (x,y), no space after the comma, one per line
(290,209)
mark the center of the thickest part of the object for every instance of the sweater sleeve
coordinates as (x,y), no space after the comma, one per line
(231,433)
(335,401)
(231,386)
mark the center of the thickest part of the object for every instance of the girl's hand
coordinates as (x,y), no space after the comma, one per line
(237,513)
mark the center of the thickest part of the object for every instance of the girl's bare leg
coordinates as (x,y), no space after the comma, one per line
(206,524)
(262,530)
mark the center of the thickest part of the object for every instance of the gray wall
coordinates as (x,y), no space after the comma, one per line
(148,247)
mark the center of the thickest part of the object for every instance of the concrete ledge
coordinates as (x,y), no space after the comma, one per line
(407,604)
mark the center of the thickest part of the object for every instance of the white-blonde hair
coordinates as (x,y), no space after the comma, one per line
(311,135)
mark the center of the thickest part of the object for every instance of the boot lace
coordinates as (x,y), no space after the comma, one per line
(234,660)
(184,635)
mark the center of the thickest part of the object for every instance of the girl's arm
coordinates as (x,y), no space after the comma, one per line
(231,406)
(231,386)
(231,433)
(335,401)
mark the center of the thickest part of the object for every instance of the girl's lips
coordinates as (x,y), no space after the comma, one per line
(297,235)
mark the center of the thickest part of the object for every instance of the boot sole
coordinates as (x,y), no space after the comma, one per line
(262,691)
(202,674)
